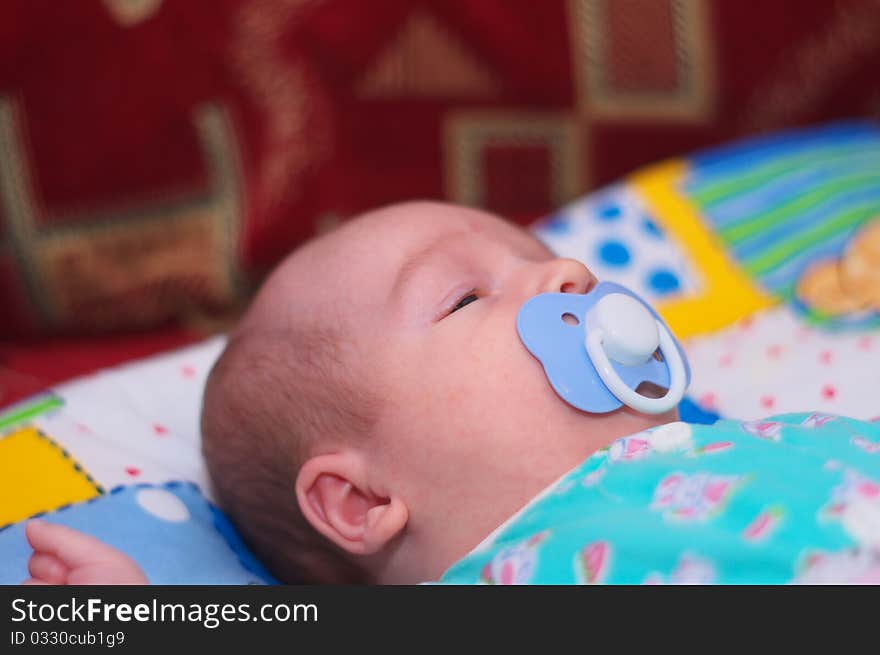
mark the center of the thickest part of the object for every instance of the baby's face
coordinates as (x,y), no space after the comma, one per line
(470,428)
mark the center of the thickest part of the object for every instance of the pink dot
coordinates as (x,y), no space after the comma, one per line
(774,351)
(767,402)
(829,392)
(825,357)
(803,333)
(865,343)
(708,400)
(717,445)
(746,323)
(869,489)
(187,371)
(725,360)
(508,573)
(82,428)
(132,471)
(160,430)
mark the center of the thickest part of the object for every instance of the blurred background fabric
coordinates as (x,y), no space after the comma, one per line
(158,157)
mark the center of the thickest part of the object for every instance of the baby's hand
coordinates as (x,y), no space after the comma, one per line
(63,555)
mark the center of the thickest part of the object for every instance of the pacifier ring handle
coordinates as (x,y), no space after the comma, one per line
(677,376)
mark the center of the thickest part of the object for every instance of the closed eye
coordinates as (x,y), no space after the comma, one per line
(466,300)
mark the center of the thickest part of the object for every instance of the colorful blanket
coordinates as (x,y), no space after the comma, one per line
(793,498)
(792,218)
(762,256)
(116,455)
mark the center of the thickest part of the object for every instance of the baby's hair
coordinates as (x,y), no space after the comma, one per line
(272,396)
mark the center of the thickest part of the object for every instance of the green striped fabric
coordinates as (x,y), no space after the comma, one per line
(782,203)
(28,410)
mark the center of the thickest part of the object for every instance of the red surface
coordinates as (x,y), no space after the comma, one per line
(27,368)
(104,112)
(322,127)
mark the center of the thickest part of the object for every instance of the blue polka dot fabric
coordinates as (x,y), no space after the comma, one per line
(170,530)
(613,253)
(609,211)
(663,281)
(613,233)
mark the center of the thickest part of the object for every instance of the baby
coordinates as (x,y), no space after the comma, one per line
(375,416)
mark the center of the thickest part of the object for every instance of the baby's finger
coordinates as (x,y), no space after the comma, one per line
(70,546)
(31,582)
(120,572)
(48,568)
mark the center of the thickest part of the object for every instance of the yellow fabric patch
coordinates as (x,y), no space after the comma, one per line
(37,475)
(726,292)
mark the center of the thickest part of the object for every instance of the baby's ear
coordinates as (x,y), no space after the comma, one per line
(334,496)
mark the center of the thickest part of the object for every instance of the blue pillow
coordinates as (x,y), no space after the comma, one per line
(170,530)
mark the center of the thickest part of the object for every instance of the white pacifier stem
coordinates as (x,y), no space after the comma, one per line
(621,327)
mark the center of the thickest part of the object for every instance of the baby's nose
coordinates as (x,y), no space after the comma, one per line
(565,275)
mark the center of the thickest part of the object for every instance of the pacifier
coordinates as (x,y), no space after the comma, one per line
(597,348)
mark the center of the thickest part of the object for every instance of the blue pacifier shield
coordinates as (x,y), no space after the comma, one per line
(560,347)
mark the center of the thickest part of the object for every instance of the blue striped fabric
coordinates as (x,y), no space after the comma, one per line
(782,203)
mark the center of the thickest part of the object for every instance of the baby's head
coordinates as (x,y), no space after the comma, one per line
(375,414)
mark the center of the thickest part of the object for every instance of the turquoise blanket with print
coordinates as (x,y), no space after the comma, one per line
(788,499)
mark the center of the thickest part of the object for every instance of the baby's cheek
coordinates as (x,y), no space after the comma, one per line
(479,376)
(519,395)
